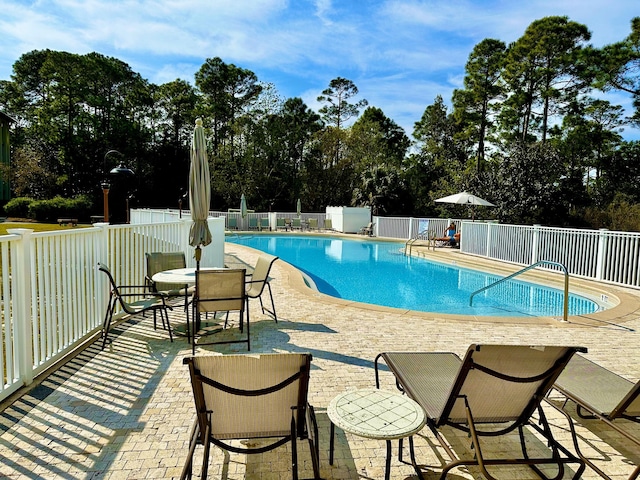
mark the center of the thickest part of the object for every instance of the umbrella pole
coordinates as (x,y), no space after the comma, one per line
(198,255)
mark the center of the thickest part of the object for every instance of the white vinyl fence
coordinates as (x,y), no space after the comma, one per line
(52,297)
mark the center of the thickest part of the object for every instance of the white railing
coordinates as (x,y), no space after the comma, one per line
(52,298)
(602,255)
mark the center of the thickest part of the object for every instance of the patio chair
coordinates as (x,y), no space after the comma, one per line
(368,230)
(218,291)
(328,224)
(259,279)
(281,224)
(296,224)
(253,223)
(498,385)
(264,224)
(241,397)
(161,261)
(313,224)
(142,301)
(599,394)
(232,223)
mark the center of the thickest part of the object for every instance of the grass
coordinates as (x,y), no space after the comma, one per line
(35,226)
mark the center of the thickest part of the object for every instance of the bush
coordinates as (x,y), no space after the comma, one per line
(59,207)
(18,207)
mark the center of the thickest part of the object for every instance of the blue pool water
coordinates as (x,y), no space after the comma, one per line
(377,272)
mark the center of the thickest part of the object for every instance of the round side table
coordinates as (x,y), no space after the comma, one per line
(377,414)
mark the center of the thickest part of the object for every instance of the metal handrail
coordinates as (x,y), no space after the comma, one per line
(546,262)
(424,235)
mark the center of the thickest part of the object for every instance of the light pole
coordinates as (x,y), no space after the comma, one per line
(120,170)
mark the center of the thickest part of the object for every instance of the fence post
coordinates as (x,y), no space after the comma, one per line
(490,227)
(602,240)
(22,303)
(535,244)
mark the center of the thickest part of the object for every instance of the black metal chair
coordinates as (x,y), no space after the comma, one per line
(160,262)
(143,301)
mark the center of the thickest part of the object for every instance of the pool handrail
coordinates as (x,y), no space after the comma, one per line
(525,269)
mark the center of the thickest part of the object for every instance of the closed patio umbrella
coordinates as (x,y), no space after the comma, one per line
(199,192)
(298,207)
(243,206)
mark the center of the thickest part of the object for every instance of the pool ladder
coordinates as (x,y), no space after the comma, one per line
(424,235)
(541,262)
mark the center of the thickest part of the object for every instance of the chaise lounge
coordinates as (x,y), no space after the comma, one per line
(492,391)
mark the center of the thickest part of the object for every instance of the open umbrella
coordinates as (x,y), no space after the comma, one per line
(243,206)
(298,207)
(199,192)
(464,198)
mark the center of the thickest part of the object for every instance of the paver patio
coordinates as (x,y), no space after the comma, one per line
(125,412)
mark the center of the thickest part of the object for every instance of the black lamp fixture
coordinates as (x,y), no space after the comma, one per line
(121,171)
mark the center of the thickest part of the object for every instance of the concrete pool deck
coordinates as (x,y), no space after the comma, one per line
(125,412)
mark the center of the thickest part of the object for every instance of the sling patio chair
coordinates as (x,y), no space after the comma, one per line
(368,230)
(253,223)
(264,224)
(492,391)
(240,397)
(600,394)
(281,224)
(232,223)
(328,225)
(313,224)
(161,261)
(260,279)
(142,300)
(296,224)
(219,291)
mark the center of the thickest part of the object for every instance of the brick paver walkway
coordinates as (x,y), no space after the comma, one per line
(125,412)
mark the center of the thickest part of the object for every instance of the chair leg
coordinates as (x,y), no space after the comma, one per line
(166,316)
(273,305)
(294,450)
(108,316)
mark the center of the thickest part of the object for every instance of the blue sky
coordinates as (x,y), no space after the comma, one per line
(399,53)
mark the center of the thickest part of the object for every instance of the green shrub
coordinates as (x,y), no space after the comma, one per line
(18,207)
(59,207)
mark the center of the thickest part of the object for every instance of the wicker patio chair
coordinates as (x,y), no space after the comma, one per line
(494,390)
(240,397)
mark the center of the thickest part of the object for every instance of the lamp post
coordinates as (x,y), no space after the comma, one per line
(120,170)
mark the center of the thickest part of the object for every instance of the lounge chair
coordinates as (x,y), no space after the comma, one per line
(313,224)
(368,230)
(142,300)
(296,224)
(328,225)
(219,291)
(240,397)
(259,279)
(232,223)
(264,224)
(499,385)
(281,225)
(253,223)
(600,394)
(446,241)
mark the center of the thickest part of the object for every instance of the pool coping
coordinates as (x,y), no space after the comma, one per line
(625,301)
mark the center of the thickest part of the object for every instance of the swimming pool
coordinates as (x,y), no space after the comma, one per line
(377,272)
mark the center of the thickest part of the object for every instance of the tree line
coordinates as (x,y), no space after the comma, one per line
(528,130)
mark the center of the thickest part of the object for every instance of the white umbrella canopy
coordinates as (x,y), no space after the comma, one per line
(243,206)
(465,198)
(199,190)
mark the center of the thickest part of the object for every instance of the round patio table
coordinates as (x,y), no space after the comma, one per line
(377,414)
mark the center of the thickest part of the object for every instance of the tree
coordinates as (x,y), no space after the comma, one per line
(338,110)
(482,88)
(541,71)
